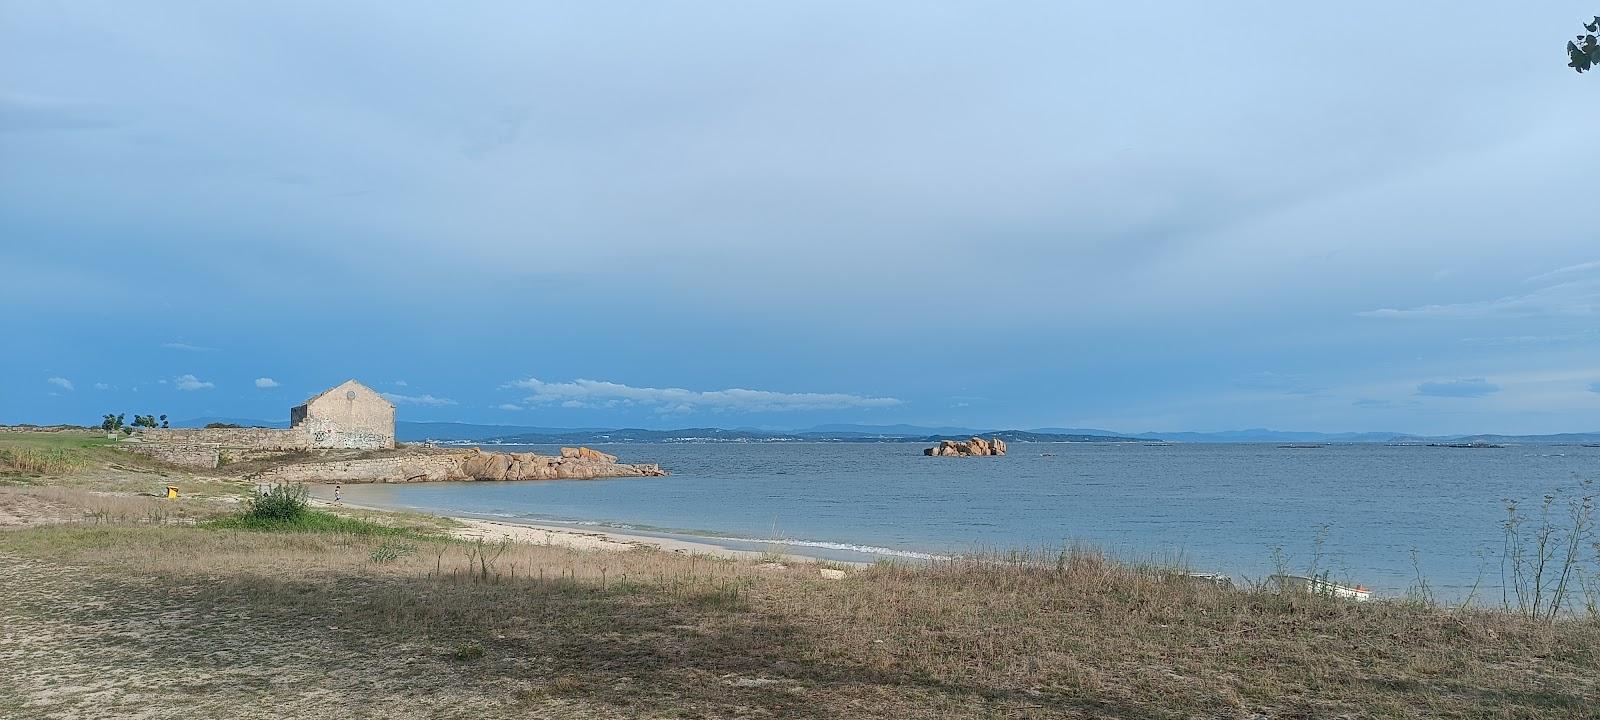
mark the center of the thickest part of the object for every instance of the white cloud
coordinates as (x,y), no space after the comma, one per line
(103,386)
(400,383)
(266,382)
(190,382)
(1468,388)
(187,347)
(61,382)
(1568,270)
(599,393)
(1578,297)
(508,406)
(399,399)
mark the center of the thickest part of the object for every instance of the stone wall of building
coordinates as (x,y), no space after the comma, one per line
(349,415)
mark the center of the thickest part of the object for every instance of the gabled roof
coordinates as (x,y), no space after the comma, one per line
(344,384)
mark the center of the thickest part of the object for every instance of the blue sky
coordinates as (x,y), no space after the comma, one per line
(1154,216)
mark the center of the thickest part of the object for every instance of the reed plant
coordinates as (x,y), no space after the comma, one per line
(1548,558)
(41,461)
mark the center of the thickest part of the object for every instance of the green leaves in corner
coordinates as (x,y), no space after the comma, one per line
(1584,52)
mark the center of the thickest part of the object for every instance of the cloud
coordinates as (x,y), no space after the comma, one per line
(31,113)
(1568,270)
(190,382)
(508,406)
(61,382)
(1572,298)
(1467,388)
(399,399)
(186,347)
(1589,335)
(266,382)
(599,393)
(400,383)
(103,386)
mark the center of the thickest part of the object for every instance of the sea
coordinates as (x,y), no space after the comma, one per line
(1387,517)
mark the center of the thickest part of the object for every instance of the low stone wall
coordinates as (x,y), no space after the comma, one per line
(244,438)
(474,464)
(410,468)
(188,455)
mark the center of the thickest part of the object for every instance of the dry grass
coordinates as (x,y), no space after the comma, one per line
(309,625)
(41,461)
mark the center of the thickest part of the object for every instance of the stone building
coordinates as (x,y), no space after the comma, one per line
(348,415)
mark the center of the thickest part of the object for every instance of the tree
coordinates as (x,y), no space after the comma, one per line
(111,423)
(163,422)
(1583,53)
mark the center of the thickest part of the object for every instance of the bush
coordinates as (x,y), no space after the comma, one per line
(280,504)
(390,551)
(312,521)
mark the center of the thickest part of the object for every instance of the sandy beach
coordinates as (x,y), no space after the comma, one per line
(585,539)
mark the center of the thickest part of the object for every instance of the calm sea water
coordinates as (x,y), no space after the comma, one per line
(1223,508)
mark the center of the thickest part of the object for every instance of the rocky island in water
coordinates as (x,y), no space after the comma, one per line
(976,447)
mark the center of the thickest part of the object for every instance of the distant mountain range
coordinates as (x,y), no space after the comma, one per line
(408,431)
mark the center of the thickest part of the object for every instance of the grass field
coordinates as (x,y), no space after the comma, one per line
(128,618)
(114,605)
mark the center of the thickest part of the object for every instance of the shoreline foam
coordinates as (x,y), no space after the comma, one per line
(607,539)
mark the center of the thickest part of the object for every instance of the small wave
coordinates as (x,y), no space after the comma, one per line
(866,549)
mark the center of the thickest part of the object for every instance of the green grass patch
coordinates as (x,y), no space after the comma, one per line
(65,440)
(311,521)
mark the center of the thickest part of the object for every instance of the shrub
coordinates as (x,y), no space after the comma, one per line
(388,552)
(312,521)
(282,503)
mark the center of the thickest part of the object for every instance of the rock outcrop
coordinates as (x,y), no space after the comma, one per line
(573,464)
(474,464)
(967,448)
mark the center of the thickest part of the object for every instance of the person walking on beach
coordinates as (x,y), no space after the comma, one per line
(336,493)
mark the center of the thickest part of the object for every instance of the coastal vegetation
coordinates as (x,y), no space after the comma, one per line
(219,604)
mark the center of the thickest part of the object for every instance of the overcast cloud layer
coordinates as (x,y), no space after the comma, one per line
(1148,216)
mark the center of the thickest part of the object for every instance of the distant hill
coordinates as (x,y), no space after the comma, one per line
(1557,438)
(201,422)
(891,430)
(408,431)
(683,435)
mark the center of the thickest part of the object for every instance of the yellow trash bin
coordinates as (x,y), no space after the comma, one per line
(172,492)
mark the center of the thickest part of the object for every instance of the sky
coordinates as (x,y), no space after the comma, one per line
(1133,216)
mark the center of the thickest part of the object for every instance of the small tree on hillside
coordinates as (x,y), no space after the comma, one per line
(111,423)
(163,422)
(1583,52)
